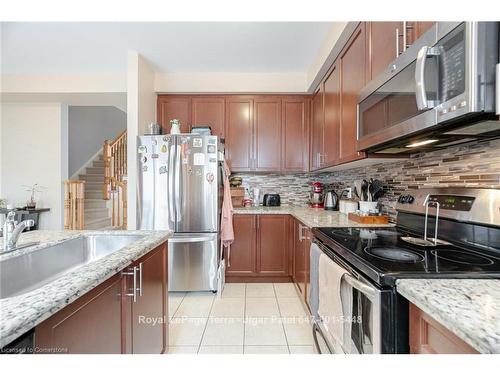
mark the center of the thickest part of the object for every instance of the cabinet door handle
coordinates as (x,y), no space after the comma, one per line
(140,279)
(301,237)
(132,273)
(405,36)
(397,42)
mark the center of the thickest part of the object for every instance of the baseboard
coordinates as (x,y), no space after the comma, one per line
(258,279)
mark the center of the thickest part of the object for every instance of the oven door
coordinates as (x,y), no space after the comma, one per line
(362,320)
(361,307)
(444,75)
(363,335)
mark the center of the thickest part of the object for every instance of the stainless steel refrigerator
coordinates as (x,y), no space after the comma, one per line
(180,189)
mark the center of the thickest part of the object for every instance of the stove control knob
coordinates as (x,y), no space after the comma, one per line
(410,199)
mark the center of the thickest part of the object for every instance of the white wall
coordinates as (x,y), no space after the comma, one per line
(89,127)
(230,82)
(34,148)
(326,48)
(141,111)
(63,83)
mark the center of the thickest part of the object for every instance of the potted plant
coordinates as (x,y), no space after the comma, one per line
(33,189)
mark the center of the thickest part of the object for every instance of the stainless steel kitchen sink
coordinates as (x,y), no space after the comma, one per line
(27,272)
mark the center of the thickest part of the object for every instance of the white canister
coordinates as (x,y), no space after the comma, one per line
(350,206)
(175,126)
(368,207)
(347,205)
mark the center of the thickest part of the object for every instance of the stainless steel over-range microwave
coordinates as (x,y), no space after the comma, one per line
(439,92)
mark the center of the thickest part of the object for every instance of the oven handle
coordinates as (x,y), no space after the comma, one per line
(420,93)
(315,331)
(367,289)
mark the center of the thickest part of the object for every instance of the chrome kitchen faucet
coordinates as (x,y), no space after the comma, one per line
(12,231)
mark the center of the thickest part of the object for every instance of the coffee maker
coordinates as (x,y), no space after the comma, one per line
(316,196)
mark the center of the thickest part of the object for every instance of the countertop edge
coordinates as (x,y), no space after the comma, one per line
(447,319)
(303,214)
(36,315)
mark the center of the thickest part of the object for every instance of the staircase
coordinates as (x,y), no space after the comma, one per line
(98,198)
(96,212)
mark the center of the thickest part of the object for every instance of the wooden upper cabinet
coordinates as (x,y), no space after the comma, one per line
(317,129)
(174,107)
(209,111)
(267,128)
(295,135)
(239,133)
(385,43)
(332,118)
(353,78)
(416,29)
(242,260)
(272,249)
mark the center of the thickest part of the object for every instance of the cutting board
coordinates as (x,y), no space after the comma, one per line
(383,219)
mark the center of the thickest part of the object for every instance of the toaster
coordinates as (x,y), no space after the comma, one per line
(271,200)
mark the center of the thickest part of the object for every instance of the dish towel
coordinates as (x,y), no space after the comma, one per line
(314,253)
(226,226)
(330,308)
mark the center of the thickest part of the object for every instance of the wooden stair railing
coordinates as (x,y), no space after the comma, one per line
(74,204)
(115,162)
(115,186)
(119,204)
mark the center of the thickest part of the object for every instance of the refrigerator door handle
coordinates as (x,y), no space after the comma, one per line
(171,158)
(178,184)
(191,239)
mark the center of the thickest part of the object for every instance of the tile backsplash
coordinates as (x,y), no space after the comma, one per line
(471,165)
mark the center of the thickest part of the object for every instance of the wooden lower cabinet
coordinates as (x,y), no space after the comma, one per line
(241,260)
(307,264)
(92,324)
(427,336)
(146,332)
(301,264)
(298,257)
(260,251)
(273,252)
(106,320)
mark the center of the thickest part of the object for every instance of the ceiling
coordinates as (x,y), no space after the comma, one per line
(90,47)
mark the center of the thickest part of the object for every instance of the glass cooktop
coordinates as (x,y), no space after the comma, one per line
(383,256)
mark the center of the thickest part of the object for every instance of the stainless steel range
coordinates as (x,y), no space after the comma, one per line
(467,245)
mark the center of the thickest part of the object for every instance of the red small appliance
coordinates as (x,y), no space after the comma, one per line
(317,196)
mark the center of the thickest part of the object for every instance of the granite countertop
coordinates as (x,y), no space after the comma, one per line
(468,308)
(311,217)
(18,314)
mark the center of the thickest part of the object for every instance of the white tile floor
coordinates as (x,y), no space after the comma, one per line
(261,318)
